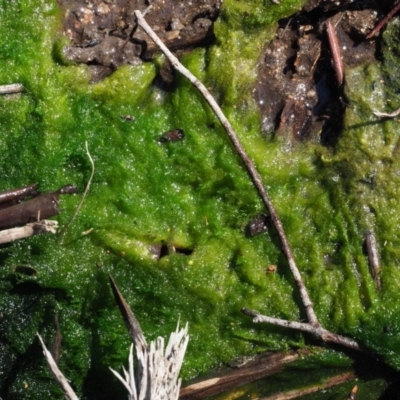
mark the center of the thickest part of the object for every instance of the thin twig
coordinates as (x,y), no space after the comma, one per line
(58,375)
(379,26)
(65,227)
(249,164)
(13,88)
(260,367)
(131,323)
(335,51)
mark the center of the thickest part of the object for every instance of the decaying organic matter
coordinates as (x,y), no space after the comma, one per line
(105,35)
(295,90)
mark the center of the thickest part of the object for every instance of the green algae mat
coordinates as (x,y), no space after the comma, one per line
(193,199)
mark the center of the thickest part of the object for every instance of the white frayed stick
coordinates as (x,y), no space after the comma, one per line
(60,378)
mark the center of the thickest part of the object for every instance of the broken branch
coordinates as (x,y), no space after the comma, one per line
(34,228)
(12,88)
(379,26)
(58,375)
(249,164)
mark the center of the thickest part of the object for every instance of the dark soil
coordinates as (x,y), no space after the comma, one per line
(297,90)
(104,34)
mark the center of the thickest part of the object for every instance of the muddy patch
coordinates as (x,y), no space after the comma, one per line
(104,34)
(299,90)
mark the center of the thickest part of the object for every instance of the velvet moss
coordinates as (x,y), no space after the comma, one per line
(193,195)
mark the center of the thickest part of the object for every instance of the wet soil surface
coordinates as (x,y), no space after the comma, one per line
(299,89)
(104,34)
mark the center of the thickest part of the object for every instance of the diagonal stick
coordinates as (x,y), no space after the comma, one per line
(249,164)
(313,326)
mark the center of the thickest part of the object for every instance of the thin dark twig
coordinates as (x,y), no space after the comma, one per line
(335,51)
(251,168)
(132,324)
(379,26)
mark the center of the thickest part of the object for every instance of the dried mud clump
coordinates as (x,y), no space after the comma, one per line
(104,34)
(297,89)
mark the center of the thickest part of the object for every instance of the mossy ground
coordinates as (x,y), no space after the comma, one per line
(193,194)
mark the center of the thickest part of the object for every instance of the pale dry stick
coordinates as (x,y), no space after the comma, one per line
(251,169)
(34,228)
(58,375)
(318,331)
(373,258)
(65,227)
(393,114)
(12,88)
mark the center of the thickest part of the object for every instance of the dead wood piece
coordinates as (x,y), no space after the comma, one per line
(41,207)
(260,367)
(58,375)
(132,324)
(313,324)
(331,382)
(12,88)
(34,228)
(384,21)
(11,197)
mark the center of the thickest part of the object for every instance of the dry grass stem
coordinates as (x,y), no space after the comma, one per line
(336,53)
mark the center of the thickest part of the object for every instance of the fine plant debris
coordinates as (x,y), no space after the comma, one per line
(21,218)
(292,221)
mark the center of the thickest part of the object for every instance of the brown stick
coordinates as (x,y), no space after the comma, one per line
(262,366)
(13,196)
(379,26)
(58,375)
(251,168)
(132,324)
(317,331)
(335,51)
